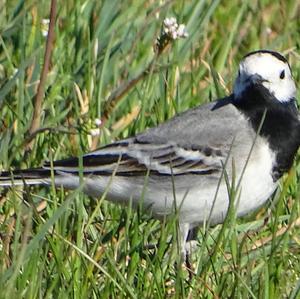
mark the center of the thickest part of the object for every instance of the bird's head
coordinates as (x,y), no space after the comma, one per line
(268,69)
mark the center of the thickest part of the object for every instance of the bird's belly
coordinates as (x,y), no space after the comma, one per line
(194,206)
(211,205)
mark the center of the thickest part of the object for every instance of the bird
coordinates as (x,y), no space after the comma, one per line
(187,164)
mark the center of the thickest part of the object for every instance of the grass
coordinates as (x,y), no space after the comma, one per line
(60,244)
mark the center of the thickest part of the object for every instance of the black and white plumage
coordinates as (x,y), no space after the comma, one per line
(256,131)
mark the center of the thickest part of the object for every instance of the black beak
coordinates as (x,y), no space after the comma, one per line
(256,79)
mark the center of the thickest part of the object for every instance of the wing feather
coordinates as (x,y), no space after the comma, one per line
(135,159)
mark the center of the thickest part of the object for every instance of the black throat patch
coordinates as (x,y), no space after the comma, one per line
(281,126)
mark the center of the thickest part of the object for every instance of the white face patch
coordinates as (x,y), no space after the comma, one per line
(275,73)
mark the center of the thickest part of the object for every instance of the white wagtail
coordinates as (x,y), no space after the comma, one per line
(253,133)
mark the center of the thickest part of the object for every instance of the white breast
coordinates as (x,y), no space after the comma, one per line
(257,182)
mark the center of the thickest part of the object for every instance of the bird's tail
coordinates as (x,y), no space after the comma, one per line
(34,176)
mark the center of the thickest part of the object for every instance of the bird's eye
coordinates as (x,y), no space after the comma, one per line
(239,73)
(282,75)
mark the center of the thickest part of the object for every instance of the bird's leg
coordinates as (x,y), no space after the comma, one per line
(188,244)
(184,231)
(190,247)
(191,240)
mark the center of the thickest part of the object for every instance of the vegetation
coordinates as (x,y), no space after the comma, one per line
(60,244)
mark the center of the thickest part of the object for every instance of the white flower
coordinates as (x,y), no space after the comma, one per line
(95,132)
(181,31)
(174,34)
(268,30)
(45,27)
(173,30)
(13,73)
(169,22)
(97,122)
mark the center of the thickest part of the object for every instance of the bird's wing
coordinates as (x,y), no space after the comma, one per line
(194,142)
(131,158)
